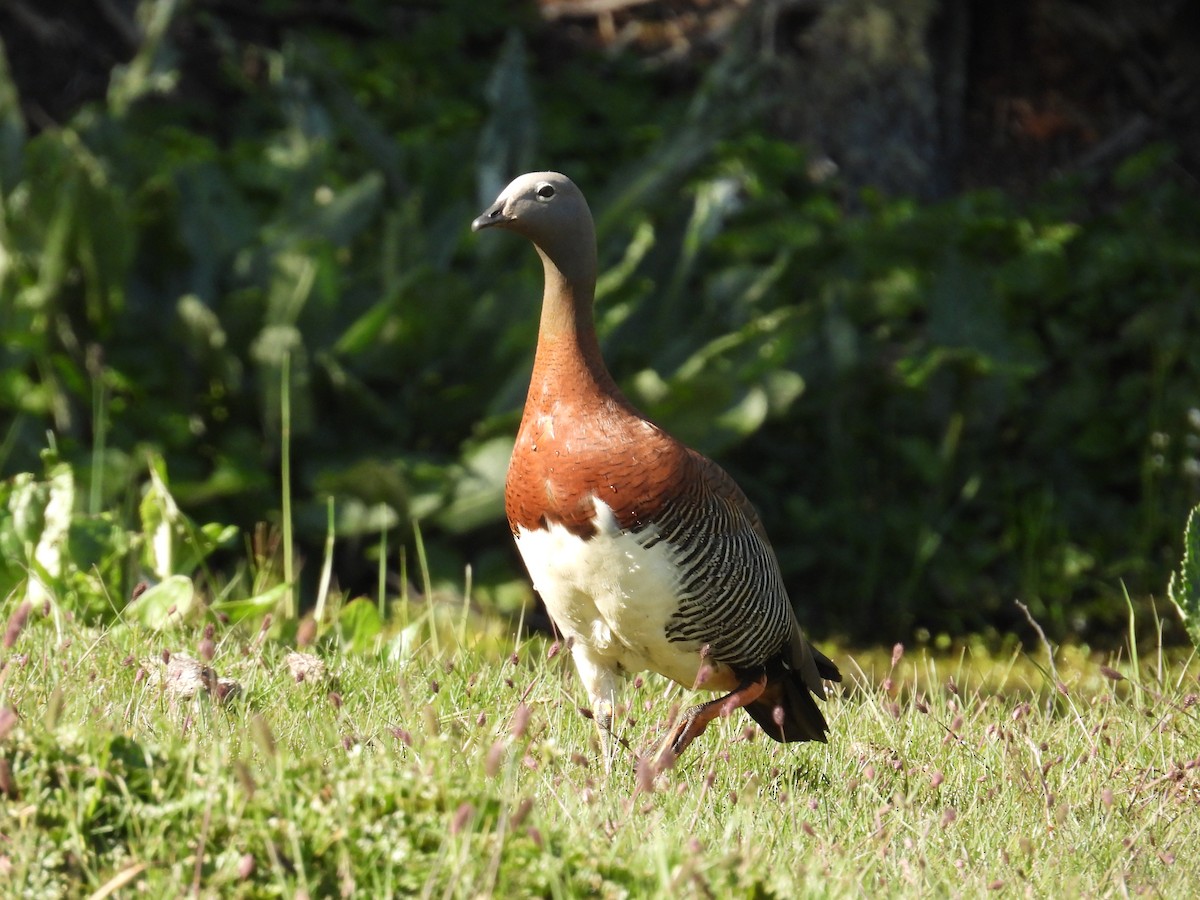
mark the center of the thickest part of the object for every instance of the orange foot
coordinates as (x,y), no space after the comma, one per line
(696,719)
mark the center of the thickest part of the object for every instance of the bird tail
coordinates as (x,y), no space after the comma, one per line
(787,709)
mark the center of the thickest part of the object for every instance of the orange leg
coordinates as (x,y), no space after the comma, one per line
(696,719)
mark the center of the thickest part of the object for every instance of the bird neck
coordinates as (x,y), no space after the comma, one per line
(568,359)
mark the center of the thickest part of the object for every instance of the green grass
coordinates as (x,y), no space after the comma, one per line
(471,773)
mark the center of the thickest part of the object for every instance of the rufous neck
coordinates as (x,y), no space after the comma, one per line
(568,347)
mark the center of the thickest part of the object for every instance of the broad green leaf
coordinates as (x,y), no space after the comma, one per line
(159,514)
(406,641)
(478,491)
(194,545)
(715,200)
(366,329)
(1184,586)
(747,415)
(252,607)
(614,278)
(172,544)
(164,605)
(359,625)
(26,509)
(56,526)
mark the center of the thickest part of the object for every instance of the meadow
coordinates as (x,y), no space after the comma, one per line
(306,664)
(453,761)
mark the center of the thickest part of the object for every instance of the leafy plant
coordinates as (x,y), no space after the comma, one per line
(1184,587)
(53,553)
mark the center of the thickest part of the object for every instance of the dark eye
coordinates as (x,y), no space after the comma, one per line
(545,190)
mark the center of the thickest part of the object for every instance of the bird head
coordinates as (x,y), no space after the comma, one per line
(549,210)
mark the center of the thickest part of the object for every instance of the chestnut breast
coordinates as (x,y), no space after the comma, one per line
(580,438)
(575,448)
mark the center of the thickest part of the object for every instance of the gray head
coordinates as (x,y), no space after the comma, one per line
(548,209)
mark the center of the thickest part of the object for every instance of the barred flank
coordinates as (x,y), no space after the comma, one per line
(731,593)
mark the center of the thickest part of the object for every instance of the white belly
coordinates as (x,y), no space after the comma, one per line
(611,594)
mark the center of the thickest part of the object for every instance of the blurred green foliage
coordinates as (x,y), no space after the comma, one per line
(54,552)
(1183,589)
(938,408)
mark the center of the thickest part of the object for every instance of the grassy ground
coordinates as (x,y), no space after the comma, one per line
(469,772)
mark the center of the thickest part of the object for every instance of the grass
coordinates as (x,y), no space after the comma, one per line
(469,772)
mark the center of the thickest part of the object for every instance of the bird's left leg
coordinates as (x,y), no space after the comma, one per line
(696,719)
(603,683)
